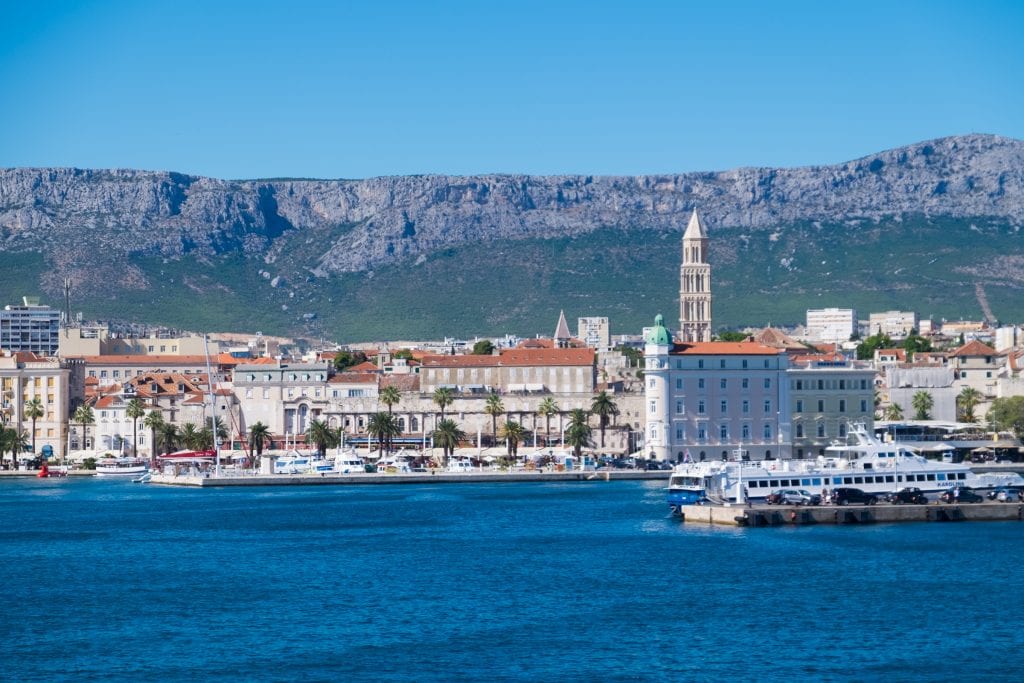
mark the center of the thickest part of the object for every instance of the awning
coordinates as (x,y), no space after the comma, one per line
(535,387)
(938,448)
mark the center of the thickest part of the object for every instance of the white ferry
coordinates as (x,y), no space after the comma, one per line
(121,467)
(862,462)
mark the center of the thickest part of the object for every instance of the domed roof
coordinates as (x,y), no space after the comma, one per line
(659,333)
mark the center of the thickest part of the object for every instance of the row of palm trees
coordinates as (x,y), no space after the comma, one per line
(922,402)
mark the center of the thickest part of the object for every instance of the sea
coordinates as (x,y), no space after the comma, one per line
(581,581)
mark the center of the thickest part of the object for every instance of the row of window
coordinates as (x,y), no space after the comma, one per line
(723,383)
(723,406)
(821,429)
(857,479)
(828,384)
(723,364)
(723,432)
(841,405)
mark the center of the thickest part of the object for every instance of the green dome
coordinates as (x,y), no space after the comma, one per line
(658,334)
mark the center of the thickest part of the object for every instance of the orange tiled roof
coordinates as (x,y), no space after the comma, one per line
(408,382)
(144,360)
(974,348)
(353,378)
(515,357)
(365,366)
(722,348)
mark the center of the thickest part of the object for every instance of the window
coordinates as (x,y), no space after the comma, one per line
(863,384)
(746,383)
(723,432)
(799,385)
(767,364)
(842,430)
(700,407)
(700,364)
(842,406)
(163,348)
(702,431)
(821,429)
(723,383)
(650,382)
(821,406)
(821,385)
(863,406)
(700,383)
(266,394)
(721,364)
(744,363)
(725,406)
(151,348)
(746,432)
(800,406)
(679,408)
(680,433)
(767,383)
(799,431)
(767,405)
(679,383)
(767,431)
(653,406)
(746,407)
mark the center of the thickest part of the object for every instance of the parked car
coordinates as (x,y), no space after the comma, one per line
(849,496)
(1005,495)
(793,497)
(960,494)
(908,494)
(657,465)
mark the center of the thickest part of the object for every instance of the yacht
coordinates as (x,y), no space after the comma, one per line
(121,467)
(862,462)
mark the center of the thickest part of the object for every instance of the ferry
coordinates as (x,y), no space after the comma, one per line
(121,467)
(862,462)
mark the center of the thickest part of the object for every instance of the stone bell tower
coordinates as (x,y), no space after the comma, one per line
(695,284)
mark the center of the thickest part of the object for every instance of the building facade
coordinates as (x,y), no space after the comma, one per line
(595,332)
(893,323)
(26,377)
(30,327)
(826,396)
(714,400)
(831,324)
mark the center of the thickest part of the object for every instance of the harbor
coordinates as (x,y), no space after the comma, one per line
(210,480)
(800,515)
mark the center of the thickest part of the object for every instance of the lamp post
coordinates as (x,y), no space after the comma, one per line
(739,475)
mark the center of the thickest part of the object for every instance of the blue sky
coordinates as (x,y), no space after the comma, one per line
(344,89)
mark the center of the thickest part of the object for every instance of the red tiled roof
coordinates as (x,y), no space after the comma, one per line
(722,348)
(353,378)
(515,357)
(144,360)
(408,382)
(974,348)
(365,366)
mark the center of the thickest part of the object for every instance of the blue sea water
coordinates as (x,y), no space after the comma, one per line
(110,580)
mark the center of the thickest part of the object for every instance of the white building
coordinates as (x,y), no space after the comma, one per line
(831,324)
(30,327)
(712,399)
(892,323)
(595,332)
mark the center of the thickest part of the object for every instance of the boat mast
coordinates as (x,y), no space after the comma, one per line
(213,406)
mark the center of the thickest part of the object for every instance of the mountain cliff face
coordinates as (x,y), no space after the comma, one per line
(82,221)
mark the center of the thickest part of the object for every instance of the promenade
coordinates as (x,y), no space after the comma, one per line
(436,477)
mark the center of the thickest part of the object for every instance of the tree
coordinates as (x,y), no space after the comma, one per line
(513,433)
(604,407)
(915,343)
(402,353)
(259,438)
(192,437)
(154,422)
(484,347)
(390,396)
(546,409)
(1007,414)
(322,435)
(922,403)
(383,426)
(894,412)
(33,411)
(206,439)
(346,359)
(967,401)
(578,432)
(135,409)
(728,336)
(866,349)
(84,416)
(447,435)
(170,436)
(443,397)
(14,441)
(494,407)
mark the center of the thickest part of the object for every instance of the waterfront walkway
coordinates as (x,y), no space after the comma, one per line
(437,477)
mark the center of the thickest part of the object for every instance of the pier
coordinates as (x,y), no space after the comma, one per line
(798,515)
(438,477)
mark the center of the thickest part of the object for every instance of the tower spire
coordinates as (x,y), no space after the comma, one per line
(695,284)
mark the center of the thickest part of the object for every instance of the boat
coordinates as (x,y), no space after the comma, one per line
(349,463)
(121,467)
(862,461)
(294,462)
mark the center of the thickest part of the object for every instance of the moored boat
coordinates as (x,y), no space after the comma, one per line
(121,467)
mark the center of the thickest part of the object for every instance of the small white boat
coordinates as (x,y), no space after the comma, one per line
(121,467)
(349,463)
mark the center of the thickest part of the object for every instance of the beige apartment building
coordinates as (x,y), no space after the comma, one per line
(24,376)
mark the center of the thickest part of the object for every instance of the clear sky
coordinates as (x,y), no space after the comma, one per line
(345,89)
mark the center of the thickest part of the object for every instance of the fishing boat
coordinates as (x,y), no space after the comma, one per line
(862,461)
(121,467)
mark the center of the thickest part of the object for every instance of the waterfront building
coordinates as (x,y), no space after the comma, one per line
(285,397)
(893,323)
(831,324)
(30,327)
(710,399)
(595,332)
(826,395)
(98,340)
(978,366)
(25,376)
(695,284)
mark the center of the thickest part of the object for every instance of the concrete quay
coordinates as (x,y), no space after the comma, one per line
(327,478)
(793,515)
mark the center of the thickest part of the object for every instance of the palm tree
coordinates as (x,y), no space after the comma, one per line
(447,435)
(135,409)
(546,409)
(385,427)
(604,407)
(577,433)
(494,408)
(153,422)
(922,403)
(206,437)
(170,436)
(33,411)
(259,438)
(320,433)
(968,400)
(443,397)
(513,433)
(192,437)
(894,412)
(84,416)
(390,396)
(14,441)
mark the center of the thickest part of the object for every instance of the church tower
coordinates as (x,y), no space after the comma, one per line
(695,284)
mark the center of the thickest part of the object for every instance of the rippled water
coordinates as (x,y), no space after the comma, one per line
(588,581)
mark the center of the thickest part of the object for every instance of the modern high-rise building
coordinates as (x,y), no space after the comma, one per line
(831,324)
(695,284)
(30,327)
(594,332)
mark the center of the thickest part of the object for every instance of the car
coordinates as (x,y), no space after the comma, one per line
(793,497)
(657,465)
(850,496)
(1005,495)
(908,494)
(960,494)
